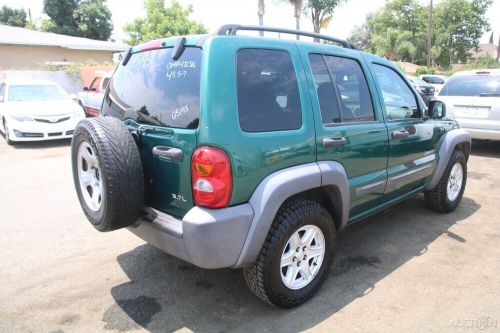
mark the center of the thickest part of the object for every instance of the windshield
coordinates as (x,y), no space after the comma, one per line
(472,85)
(36,92)
(157,90)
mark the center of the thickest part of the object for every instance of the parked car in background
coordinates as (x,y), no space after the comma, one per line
(36,110)
(437,81)
(473,98)
(91,97)
(425,90)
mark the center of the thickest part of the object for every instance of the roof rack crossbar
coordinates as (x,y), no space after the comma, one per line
(231,29)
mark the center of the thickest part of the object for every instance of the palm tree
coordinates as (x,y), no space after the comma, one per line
(260,12)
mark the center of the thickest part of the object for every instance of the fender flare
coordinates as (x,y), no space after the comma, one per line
(448,143)
(276,188)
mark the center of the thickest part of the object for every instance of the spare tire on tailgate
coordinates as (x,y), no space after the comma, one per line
(107,172)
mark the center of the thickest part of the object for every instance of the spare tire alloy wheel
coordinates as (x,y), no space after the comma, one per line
(89,174)
(107,172)
(302,257)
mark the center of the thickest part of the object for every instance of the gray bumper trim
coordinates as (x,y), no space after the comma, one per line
(208,238)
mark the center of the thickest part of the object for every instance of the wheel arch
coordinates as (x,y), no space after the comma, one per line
(323,182)
(454,139)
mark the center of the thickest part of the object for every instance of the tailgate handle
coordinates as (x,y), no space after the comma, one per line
(400,134)
(334,142)
(168,153)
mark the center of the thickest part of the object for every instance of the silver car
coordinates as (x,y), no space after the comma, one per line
(473,98)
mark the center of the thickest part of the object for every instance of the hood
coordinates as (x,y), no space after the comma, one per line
(42,108)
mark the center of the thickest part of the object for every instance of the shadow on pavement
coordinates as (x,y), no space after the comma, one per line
(165,294)
(42,144)
(485,148)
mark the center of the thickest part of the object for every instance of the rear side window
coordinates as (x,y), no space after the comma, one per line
(157,90)
(472,85)
(342,89)
(268,95)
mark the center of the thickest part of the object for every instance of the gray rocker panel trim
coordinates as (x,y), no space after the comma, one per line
(448,143)
(279,186)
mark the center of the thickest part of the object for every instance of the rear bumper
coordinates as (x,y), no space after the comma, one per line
(208,238)
(483,134)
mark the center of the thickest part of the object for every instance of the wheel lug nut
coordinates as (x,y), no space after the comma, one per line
(298,263)
(304,248)
(294,259)
(305,257)
(297,249)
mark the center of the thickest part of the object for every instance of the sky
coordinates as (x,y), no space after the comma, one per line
(214,13)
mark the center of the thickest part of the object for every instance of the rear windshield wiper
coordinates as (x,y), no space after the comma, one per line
(489,94)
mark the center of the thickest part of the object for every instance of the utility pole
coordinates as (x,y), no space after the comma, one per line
(429,38)
(498,48)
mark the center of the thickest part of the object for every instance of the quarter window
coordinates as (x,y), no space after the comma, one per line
(400,103)
(268,95)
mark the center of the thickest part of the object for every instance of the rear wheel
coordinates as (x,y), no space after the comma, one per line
(107,172)
(296,255)
(448,193)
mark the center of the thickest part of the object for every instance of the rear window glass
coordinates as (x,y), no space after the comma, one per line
(472,85)
(433,79)
(155,89)
(268,95)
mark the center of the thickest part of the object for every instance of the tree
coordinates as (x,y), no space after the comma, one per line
(13,17)
(361,36)
(161,22)
(459,24)
(82,18)
(297,11)
(321,12)
(93,19)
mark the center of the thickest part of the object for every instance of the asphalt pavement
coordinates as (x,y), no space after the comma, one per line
(407,269)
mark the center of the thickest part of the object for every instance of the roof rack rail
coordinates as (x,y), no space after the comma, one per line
(231,29)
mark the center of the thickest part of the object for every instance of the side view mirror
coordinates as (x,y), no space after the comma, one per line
(437,109)
(85,88)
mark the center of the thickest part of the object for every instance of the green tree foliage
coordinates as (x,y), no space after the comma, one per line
(82,18)
(398,31)
(161,22)
(459,24)
(14,17)
(321,12)
(424,70)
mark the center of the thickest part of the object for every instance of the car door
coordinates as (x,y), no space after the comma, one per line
(412,136)
(94,96)
(350,128)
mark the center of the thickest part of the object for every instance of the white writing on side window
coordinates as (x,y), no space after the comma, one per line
(181,64)
(171,75)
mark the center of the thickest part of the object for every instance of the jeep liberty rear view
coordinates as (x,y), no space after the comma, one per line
(233,151)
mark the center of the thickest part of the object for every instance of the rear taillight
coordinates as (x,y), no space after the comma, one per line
(211,177)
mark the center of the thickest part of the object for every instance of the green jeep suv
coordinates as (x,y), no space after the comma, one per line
(229,150)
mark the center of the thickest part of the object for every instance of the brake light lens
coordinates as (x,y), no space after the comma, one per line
(211,177)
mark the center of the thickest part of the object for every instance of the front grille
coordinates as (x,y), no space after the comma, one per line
(51,121)
(31,135)
(55,134)
(70,132)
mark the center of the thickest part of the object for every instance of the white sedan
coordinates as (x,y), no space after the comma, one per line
(37,110)
(473,98)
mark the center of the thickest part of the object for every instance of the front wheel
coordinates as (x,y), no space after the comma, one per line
(6,133)
(448,193)
(296,255)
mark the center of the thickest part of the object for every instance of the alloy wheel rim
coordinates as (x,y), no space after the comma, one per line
(89,175)
(302,257)
(455,181)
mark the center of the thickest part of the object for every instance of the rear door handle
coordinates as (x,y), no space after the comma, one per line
(168,153)
(400,134)
(334,142)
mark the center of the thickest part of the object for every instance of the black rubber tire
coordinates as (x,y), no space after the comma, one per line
(437,198)
(263,277)
(121,172)
(6,133)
